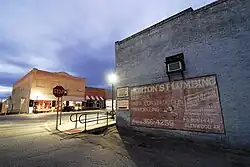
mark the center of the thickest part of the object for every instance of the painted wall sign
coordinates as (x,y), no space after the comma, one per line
(192,105)
(122,104)
(122,92)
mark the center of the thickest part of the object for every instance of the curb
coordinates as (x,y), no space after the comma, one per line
(71,131)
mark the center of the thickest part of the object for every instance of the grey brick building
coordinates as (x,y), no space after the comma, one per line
(214,39)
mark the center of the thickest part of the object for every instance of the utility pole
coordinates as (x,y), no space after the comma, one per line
(112,112)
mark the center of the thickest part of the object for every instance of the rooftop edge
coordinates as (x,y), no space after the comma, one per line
(188,10)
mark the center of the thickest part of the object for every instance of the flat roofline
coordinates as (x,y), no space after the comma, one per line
(156,25)
(56,73)
(91,87)
(188,10)
(23,77)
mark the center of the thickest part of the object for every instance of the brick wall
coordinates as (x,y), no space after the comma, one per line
(90,91)
(215,39)
(38,85)
(43,81)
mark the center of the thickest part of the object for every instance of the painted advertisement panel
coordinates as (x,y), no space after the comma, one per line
(190,104)
(122,92)
(123,104)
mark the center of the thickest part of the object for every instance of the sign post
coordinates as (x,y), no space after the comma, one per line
(58,92)
(57,112)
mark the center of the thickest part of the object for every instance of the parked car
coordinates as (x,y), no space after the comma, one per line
(68,108)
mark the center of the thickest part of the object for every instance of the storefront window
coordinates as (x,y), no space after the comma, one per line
(43,105)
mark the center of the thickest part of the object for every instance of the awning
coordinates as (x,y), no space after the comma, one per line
(94,97)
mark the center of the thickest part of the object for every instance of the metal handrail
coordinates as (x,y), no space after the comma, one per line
(75,120)
(78,118)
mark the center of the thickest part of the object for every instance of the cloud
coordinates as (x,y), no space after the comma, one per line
(5,89)
(74,36)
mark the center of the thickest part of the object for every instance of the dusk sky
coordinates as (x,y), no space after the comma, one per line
(74,36)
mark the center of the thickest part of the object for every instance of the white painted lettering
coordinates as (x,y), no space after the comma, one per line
(161,88)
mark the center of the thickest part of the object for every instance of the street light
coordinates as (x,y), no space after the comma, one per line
(112,79)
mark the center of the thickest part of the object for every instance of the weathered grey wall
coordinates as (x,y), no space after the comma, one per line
(215,39)
(17,95)
(22,90)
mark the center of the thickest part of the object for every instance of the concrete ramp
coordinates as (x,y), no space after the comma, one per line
(87,122)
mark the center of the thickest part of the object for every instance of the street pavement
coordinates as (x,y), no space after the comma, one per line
(31,141)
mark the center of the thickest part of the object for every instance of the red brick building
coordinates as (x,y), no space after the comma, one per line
(95,97)
(34,90)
